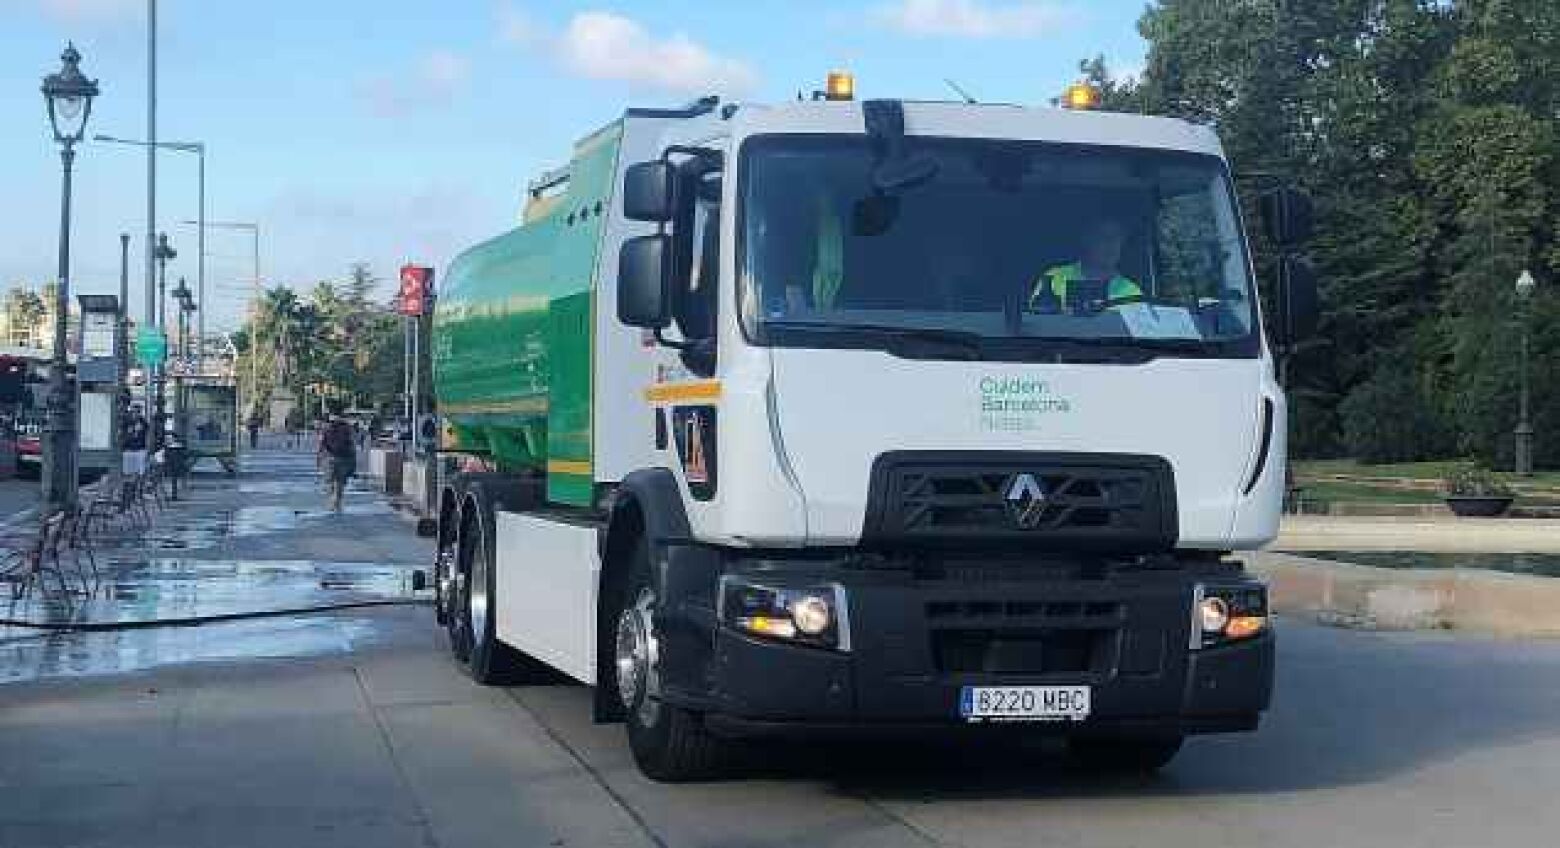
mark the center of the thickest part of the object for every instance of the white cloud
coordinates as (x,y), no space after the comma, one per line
(603,45)
(435,80)
(972,18)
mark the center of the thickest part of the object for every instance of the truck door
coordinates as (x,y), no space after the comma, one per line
(687,426)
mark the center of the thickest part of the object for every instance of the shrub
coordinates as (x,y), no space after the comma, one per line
(1389,418)
(1470,481)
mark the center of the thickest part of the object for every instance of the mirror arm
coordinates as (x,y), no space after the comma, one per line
(709,157)
(675,344)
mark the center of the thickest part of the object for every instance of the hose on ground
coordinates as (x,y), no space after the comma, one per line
(198,620)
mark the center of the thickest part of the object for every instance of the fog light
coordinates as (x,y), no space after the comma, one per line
(765,625)
(1245,626)
(1214,613)
(811,615)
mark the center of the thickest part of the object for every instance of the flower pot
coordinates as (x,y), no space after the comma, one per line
(1483,506)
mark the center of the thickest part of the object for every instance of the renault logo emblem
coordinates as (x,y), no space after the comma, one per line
(1026,500)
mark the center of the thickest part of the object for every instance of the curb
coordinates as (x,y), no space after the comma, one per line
(1410,599)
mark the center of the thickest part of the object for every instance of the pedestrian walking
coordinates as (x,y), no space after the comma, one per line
(337,457)
(132,462)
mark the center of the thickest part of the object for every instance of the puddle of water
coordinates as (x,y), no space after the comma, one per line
(175,588)
(161,589)
(95,654)
(145,579)
(195,532)
(1543,565)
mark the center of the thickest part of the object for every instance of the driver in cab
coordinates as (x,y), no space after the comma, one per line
(1100,259)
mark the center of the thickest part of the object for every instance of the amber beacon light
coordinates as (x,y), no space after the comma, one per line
(840,86)
(1081,96)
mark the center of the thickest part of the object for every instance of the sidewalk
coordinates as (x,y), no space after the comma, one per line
(262,541)
(1389,533)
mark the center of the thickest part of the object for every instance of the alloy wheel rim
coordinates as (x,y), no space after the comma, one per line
(476,592)
(636,658)
(444,580)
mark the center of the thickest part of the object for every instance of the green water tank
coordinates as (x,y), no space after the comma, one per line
(512,330)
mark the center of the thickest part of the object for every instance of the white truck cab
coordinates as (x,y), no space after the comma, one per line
(918,415)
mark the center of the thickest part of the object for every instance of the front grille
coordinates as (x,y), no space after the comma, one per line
(1004,636)
(1103,502)
(1022,651)
(1048,613)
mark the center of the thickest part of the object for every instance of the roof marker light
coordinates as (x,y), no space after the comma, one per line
(1081,96)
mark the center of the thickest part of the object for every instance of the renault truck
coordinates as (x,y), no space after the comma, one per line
(864,416)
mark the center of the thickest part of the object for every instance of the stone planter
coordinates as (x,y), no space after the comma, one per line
(1480,506)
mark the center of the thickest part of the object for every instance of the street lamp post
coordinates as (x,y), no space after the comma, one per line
(199,149)
(162,254)
(69,97)
(122,349)
(1524,433)
(186,305)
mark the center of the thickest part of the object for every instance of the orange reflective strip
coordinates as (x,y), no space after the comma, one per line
(677,392)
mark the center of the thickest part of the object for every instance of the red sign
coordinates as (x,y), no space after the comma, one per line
(416,292)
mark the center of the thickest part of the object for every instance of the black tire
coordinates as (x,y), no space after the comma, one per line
(669,743)
(474,628)
(1136,755)
(445,553)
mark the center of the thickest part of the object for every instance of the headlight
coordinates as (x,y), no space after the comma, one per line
(1224,614)
(806,615)
(1215,613)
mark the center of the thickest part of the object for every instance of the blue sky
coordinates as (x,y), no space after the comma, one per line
(399,130)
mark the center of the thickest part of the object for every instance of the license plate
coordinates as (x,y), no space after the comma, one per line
(1024,703)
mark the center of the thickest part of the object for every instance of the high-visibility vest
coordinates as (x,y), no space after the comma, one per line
(1059,278)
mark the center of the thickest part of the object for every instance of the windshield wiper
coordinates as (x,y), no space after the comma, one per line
(1174,343)
(972,344)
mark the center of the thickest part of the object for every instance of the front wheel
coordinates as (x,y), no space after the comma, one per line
(668,742)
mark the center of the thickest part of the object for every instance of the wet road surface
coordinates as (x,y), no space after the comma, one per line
(364,733)
(260,542)
(17,495)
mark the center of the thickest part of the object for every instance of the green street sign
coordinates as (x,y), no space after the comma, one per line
(151,346)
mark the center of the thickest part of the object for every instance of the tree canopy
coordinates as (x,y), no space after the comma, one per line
(336,342)
(1426,131)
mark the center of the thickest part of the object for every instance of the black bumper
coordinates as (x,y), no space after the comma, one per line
(916,642)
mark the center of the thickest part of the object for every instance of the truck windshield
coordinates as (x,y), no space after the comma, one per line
(992,247)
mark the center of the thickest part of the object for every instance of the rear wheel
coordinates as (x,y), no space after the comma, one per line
(668,742)
(445,554)
(1125,754)
(473,613)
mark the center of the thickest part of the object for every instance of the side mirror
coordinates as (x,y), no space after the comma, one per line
(1299,306)
(642,295)
(647,192)
(1286,216)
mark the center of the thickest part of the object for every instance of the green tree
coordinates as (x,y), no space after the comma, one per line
(24,312)
(1426,132)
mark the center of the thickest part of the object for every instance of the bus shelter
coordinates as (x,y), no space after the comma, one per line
(208,413)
